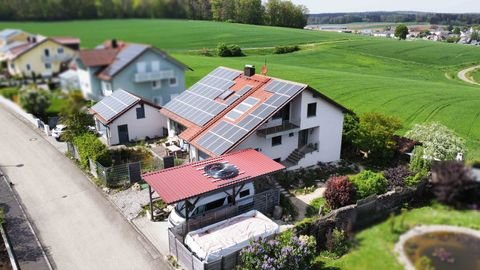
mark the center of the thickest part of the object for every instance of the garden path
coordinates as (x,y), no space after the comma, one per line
(302,201)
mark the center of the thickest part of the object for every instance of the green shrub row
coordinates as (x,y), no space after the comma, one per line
(224,50)
(285,49)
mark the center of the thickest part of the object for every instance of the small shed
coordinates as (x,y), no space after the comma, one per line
(123,117)
(69,80)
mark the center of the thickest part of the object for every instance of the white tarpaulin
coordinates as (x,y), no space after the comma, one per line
(220,239)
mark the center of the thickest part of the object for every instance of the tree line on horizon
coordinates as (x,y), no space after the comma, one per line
(394,17)
(272,12)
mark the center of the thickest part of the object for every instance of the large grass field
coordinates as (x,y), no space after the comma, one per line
(414,80)
(374,248)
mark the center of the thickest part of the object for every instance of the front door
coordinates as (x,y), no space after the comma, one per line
(302,138)
(123,134)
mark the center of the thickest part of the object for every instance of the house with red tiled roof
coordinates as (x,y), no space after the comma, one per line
(41,56)
(141,69)
(230,110)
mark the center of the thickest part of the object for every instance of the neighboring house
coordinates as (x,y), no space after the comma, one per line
(41,56)
(69,80)
(9,36)
(145,70)
(122,117)
(229,110)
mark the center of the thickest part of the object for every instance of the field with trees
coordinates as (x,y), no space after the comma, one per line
(413,80)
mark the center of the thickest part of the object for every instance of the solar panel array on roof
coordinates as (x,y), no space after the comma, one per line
(111,106)
(198,104)
(125,56)
(224,135)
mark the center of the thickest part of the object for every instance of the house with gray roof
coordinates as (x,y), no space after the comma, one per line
(123,117)
(141,69)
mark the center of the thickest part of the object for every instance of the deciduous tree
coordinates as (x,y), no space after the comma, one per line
(401,31)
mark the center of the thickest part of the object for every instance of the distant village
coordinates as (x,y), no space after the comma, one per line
(462,35)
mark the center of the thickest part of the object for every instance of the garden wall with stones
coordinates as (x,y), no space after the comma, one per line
(364,213)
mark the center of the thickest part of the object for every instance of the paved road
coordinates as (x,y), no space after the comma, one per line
(462,75)
(78,226)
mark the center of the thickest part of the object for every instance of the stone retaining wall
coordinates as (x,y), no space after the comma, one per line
(362,214)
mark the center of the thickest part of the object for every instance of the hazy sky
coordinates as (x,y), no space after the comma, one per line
(450,6)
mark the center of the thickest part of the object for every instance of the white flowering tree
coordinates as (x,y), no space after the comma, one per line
(439,142)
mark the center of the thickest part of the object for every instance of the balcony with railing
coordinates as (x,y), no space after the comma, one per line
(283,127)
(154,76)
(55,58)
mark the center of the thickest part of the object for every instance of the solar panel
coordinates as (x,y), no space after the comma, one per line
(124,57)
(244,90)
(226,94)
(109,107)
(224,135)
(198,104)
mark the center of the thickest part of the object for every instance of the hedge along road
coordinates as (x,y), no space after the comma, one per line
(78,226)
(462,75)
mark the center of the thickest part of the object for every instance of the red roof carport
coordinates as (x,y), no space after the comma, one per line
(189,180)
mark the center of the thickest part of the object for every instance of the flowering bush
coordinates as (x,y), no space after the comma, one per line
(287,252)
(396,176)
(368,183)
(440,143)
(339,192)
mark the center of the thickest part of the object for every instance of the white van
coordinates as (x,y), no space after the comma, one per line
(211,203)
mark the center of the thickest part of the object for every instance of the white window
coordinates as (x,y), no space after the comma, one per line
(155,66)
(141,67)
(28,67)
(106,88)
(48,66)
(47,52)
(173,81)
(12,65)
(157,84)
(60,50)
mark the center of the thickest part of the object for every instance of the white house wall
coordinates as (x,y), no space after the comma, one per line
(84,80)
(326,130)
(264,145)
(151,126)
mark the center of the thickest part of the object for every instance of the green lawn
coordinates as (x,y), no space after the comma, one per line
(403,78)
(375,244)
(476,75)
(174,34)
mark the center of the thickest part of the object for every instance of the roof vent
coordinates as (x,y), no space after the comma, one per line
(249,70)
(221,171)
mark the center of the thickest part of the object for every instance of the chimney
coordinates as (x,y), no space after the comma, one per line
(114,44)
(34,39)
(249,70)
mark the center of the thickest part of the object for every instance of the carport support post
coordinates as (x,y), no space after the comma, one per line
(151,202)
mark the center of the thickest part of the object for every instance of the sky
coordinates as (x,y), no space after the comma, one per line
(446,6)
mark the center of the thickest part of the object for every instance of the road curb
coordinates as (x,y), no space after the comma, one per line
(11,255)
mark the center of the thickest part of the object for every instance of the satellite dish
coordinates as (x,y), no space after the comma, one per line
(221,171)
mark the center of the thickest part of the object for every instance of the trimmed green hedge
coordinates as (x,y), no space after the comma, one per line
(89,146)
(368,183)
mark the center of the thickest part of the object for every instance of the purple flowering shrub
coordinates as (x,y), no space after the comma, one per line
(284,252)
